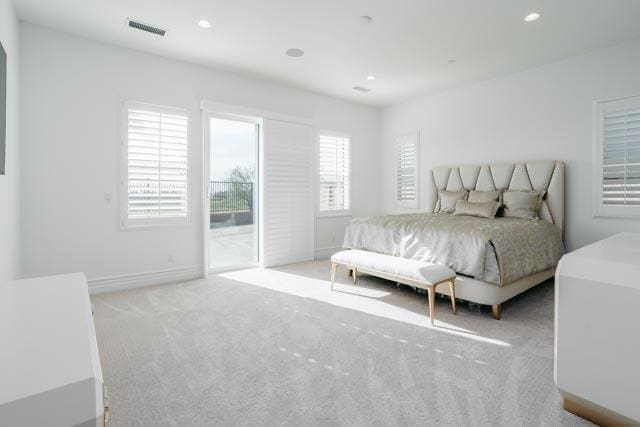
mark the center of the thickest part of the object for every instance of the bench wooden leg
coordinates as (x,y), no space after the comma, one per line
(431,294)
(355,275)
(452,294)
(334,267)
(496,310)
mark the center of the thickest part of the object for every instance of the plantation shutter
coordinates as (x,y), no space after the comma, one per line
(334,165)
(157,165)
(407,170)
(621,153)
(287,226)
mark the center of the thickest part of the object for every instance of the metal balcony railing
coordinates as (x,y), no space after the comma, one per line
(230,197)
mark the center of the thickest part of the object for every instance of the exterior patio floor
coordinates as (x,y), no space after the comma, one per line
(232,246)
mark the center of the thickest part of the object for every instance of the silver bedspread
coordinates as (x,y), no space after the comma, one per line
(498,251)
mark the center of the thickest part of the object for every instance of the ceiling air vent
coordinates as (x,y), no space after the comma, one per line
(146,27)
(361,89)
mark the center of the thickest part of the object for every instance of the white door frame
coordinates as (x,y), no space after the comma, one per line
(235,112)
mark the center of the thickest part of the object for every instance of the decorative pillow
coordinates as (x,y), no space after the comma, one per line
(476,196)
(522,204)
(447,200)
(482,210)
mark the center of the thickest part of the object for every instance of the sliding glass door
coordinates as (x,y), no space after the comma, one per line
(233,192)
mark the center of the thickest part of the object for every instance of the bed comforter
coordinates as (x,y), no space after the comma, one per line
(497,251)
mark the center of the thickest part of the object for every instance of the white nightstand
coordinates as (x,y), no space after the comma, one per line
(597,330)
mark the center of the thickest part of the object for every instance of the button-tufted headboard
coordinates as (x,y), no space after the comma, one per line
(535,175)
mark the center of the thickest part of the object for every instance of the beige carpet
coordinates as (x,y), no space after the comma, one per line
(265,347)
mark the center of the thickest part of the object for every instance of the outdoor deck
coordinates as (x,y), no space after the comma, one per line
(232,237)
(231,246)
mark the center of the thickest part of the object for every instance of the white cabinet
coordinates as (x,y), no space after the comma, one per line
(597,330)
(49,365)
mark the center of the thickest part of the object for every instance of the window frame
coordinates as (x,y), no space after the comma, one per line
(601,210)
(399,140)
(126,223)
(333,213)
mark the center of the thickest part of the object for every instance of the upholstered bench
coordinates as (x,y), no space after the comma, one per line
(423,275)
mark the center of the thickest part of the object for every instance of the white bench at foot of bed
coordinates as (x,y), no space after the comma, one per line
(423,275)
(468,288)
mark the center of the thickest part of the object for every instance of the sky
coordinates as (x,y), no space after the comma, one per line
(232,143)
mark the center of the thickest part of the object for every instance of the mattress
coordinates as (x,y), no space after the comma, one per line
(498,251)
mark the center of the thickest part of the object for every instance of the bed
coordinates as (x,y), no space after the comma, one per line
(495,259)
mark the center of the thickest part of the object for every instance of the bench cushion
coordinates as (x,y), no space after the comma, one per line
(407,268)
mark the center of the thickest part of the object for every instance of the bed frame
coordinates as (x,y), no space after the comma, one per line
(534,175)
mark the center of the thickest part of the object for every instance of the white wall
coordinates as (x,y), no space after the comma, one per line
(70,87)
(542,113)
(9,183)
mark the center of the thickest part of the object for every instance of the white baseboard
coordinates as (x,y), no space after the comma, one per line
(324,253)
(136,280)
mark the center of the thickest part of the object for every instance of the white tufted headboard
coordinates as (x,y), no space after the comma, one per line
(535,175)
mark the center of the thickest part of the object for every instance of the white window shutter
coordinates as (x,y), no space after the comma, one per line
(407,166)
(287,193)
(334,164)
(156,165)
(619,157)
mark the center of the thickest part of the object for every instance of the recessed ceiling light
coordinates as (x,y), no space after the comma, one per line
(366,19)
(451,61)
(295,52)
(371,77)
(204,23)
(533,16)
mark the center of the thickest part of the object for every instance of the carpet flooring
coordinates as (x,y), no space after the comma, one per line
(276,346)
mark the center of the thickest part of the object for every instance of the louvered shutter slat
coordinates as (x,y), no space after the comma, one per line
(621,157)
(157,178)
(406,171)
(334,172)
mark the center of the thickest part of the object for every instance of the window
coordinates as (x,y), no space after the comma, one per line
(407,177)
(155,156)
(618,158)
(334,169)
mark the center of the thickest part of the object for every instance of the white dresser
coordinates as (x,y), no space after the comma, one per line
(49,365)
(597,330)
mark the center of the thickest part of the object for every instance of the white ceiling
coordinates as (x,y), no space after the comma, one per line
(407,46)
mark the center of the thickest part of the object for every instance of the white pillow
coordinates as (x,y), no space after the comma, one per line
(447,200)
(481,210)
(522,204)
(476,196)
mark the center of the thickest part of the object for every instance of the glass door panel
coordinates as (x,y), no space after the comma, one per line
(233,193)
